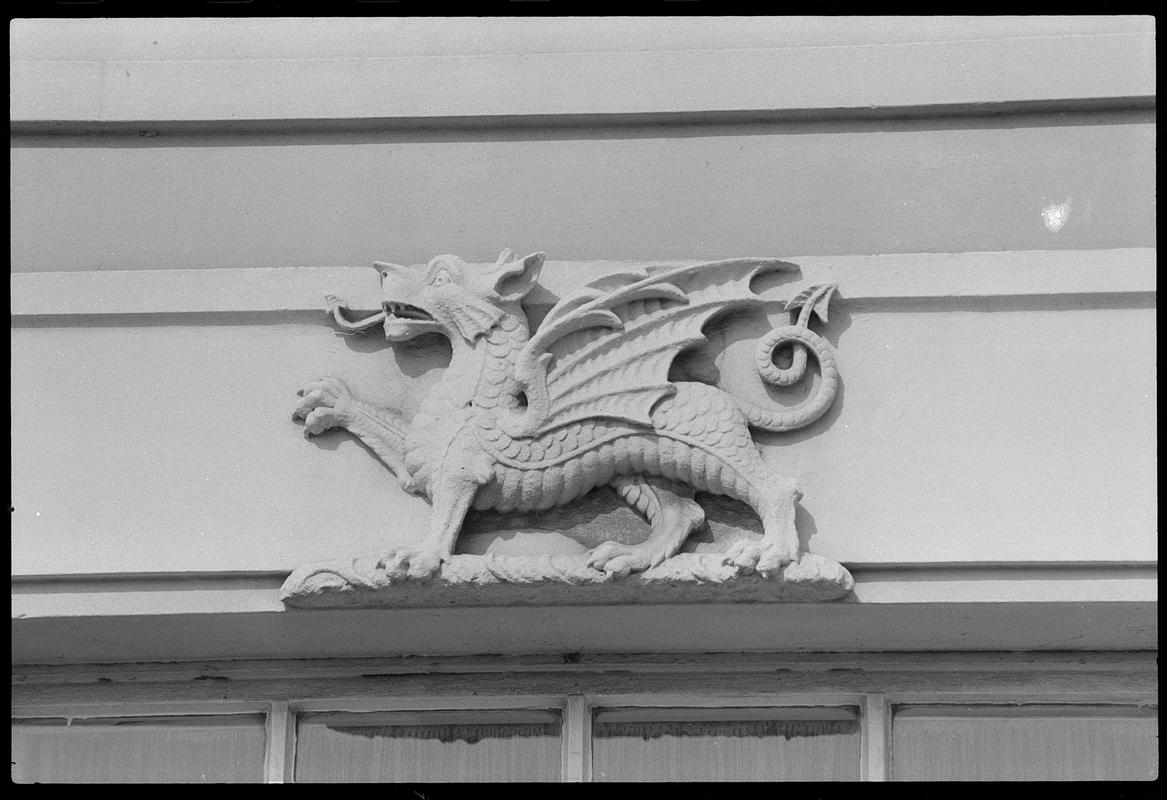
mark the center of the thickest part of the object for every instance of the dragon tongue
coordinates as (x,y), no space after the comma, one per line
(406,311)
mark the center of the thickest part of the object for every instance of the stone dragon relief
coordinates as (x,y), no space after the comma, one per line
(525,420)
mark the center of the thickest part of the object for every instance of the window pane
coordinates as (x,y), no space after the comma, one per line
(791,744)
(1024,743)
(139,750)
(429,747)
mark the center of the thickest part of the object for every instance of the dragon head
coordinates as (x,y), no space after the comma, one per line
(450,296)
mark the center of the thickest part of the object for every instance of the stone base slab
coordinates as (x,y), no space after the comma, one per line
(562,580)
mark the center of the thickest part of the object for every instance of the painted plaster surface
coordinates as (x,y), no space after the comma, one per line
(966,431)
(957,185)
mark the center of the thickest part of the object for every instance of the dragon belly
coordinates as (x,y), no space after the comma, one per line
(552,469)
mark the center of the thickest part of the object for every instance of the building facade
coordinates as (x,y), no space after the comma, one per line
(981,192)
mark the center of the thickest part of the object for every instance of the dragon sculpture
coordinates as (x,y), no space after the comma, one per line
(524,421)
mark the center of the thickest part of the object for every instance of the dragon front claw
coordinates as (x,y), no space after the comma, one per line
(325,403)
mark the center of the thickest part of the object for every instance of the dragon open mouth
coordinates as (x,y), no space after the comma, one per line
(406,311)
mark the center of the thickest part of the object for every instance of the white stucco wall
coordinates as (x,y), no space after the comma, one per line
(963,434)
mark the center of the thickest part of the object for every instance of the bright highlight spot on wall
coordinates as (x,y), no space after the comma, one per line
(1055,214)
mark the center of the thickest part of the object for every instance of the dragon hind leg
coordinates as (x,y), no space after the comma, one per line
(671,511)
(720,456)
(779,542)
(741,473)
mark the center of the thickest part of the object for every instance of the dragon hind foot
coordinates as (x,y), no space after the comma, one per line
(762,556)
(615,558)
(399,564)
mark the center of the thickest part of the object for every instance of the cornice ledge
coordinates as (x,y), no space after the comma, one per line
(562,580)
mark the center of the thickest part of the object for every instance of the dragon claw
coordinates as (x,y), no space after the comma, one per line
(408,563)
(326,403)
(763,557)
(618,559)
(743,555)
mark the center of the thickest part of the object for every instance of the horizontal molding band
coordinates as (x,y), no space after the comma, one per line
(983,70)
(1029,113)
(1077,625)
(96,690)
(183,593)
(1126,275)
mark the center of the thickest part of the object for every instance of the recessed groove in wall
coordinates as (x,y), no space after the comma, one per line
(151,319)
(1004,303)
(1000,281)
(885,305)
(186,133)
(145,581)
(925,570)
(871,570)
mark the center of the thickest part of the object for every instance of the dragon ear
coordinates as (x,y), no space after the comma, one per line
(515,279)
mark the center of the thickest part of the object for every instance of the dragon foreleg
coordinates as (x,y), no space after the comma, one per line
(384,433)
(451,500)
(451,494)
(327,403)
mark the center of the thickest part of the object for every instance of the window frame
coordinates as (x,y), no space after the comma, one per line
(747,682)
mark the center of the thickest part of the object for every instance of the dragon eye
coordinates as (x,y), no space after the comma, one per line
(441,279)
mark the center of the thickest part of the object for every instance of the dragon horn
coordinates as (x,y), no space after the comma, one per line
(506,255)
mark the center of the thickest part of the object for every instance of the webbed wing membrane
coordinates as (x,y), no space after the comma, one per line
(605,351)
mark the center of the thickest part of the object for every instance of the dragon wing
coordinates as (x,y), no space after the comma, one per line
(605,351)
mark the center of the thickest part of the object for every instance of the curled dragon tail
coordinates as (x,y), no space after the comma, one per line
(802,339)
